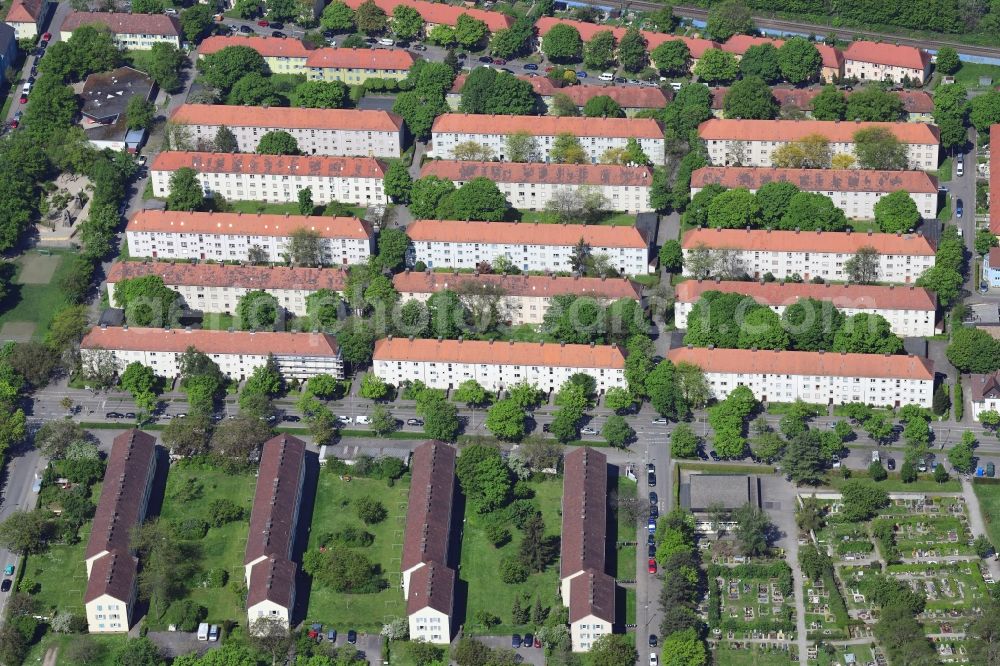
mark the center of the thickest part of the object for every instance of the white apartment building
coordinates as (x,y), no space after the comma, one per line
(911,311)
(523,299)
(276,178)
(808,254)
(532,185)
(823,378)
(530,247)
(445,364)
(349,132)
(25,17)
(591,608)
(984,394)
(112,569)
(875,61)
(596,135)
(749,143)
(854,191)
(237,353)
(431,602)
(162,234)
(133,32)
(219,287)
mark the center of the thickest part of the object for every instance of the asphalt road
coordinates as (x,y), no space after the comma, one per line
(24,464)
(62,9)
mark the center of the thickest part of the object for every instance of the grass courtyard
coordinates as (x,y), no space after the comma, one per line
(34,295)
(333,511)
(989,502)
(60,574)
(291,208)
(481,562)
(223,547)
(610,219)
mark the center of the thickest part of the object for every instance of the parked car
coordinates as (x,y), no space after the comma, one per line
(581,74)
(660,421)
(652,565)
(352,636)
(278,34)
(5,585)
(315,631)
(713,455)
(538,643)
(290,418)
(959,208)
(362,419)
(213,632)
(489,61)
(653,661)
(620,79)
(170,11)
(16,121)
(419,47)
(653,499)
(263,23)
(344,420)
(991,470)
(329,34)
(651,548)
(385,41)
(876,457)
(588,431)
(130,415)
(890,464)
(47,36)
(529,640)
(24,99)
(651,525)
(607,76)
(960,166)
(651,539)
(515,641)
(652,640)
(414,422)
(245,29)
(112,415)
(203,631)
(277,25)
(8,570)
(654,511)
(651,479)
(531,66)
(500,61)
(331,635)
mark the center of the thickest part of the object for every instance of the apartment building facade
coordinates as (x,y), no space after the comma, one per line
(807,254)
(134,32)
(276,178)
(854,191)
(530,247)
(428,582)
(346,132)
(269,571)
(26,17)
(439,13)
(532,185)
(984,395)
(161,234)
(596,135)
(911,311)
(445,364)
(876,61)
(112,569)
(825,378)
(519,299)
(750,143)
(219,287)
(237,353)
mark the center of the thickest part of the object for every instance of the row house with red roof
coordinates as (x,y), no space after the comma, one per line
(276,178)
(918,105)
(911,311)
(854,191)
(159,234)
(517,299)
(831,59)
(596,135)
(237,353)
(440,13)
(496,365)
(750,143)
(820,377)
(528,246)
(532,185)
(347,132)
(217,287)
(134,32)
(902,258)
(26,18)
(875,61)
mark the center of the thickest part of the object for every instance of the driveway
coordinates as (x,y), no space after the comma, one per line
(176,643)
(526,655)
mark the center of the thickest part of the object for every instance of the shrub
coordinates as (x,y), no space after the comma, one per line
(512,571)
(223,511)
(370,510)
(186,615)
(498,535)
(523,491)
(190,529)
(353,537)
(216,577)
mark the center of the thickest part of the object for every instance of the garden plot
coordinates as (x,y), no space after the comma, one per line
(845,541)
(952,589)
(751,601)
(821,604)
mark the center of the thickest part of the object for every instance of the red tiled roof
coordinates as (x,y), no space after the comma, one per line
(995,179)
(541,286)
(592,593)
(887,54)
(993,257)
(272,580)
(432,586)
(817,180)
(587,31)
(428,513)
(540,172)
(113,574)
(914,101)
(854,296)
(542,86)
(287,117)
(525,233)
(397,59)
(125,24)
(984,386)
(441,13)
(739,44)
(472,123)
(25,11)
(275,499)
(835,242)
(584,511)
(832,58)
(269,47)
(499,353)
(628,97)
(298,165)
(792,130)
(231,275)
(237,224)
(828,364)
(261,343)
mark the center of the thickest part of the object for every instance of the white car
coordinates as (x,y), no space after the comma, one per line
(588,431)
(362,419)
(653,659)
(385,41)
(607,76)
(876,457)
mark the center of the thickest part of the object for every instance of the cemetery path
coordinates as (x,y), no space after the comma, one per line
(977,523)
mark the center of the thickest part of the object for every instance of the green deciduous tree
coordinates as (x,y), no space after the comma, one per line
(370,18)
(683,442)
(602,106)
(562,43)
(750,98)
(225,67)
(484,476)
(761,61)
(337,16)
(599,52)
(810,211)
(320,94)
(632,52)
(878,148)
(973,350)
(278,142)
(406,22)
(896,212)
(874,104)
(829,104)
(672,58)
(716,66)
(729,18)
(799,60)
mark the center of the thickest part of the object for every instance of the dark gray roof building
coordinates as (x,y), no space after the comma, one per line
(730,491)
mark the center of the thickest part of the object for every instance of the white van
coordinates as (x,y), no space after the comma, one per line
(876,457)
(26,88)
(203,631)
(960,166)
(385,41)
(362,419)
(607,76)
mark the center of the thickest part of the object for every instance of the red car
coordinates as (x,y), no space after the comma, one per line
(549,69)
(652,565)
(538,643)
(24,99)
(263,23)
(499,61)
(47,36)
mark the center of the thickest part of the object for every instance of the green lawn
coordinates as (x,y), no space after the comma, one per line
(291,208)
(36,654)
(726,656)
(61,575)
(481,562)
(35,303)
(626,529)
(630,605)
(989,502)
(223,547)
(219,321)
(333,511)
(945,213)
(925,483)
(944,171)
(625,561)
(610,219)
(968,75)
